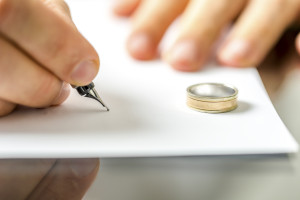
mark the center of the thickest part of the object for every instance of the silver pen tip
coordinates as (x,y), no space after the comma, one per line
(90,91)
(95,94)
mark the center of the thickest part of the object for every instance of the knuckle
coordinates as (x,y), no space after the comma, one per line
(46,92)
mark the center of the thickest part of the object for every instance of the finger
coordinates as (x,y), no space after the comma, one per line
(201,25)
(64,93)
(150,22)
(61,7)
(256,31)
(68,179)
(39,29)
(20,177)
(6,108)
(23,81)
(125,7)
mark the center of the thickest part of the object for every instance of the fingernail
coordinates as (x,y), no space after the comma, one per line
(83,167)
(235,53)
(184,56)
(84,72)
(141,46)
(64,93)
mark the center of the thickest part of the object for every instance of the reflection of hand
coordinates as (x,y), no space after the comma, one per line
(40,51)
(258,27)
(46,179)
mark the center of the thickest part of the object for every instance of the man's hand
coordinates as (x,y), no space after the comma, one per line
(41,53)
(259,24)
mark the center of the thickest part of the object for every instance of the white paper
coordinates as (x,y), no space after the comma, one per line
(148,115)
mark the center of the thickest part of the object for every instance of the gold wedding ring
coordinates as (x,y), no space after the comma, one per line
(212,97)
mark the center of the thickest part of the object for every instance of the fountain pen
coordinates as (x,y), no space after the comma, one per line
(90,92)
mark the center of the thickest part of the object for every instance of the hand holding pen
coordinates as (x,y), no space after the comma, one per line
(41,54)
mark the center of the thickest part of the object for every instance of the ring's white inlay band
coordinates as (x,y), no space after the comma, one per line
(212,97)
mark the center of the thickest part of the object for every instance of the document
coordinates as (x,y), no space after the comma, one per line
(148,113)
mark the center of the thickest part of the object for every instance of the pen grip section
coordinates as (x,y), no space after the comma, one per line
(84,90)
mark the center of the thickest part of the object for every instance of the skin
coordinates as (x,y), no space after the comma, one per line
(256,27)
(41,54)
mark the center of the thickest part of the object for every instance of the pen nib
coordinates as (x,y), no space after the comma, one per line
(90,92)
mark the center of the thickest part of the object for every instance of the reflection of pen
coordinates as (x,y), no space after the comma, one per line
(90,91)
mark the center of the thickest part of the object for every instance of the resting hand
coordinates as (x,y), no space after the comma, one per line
(259,24)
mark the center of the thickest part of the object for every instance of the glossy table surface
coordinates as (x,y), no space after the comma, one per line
(256,177)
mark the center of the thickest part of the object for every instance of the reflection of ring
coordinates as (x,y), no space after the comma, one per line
(212,97)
